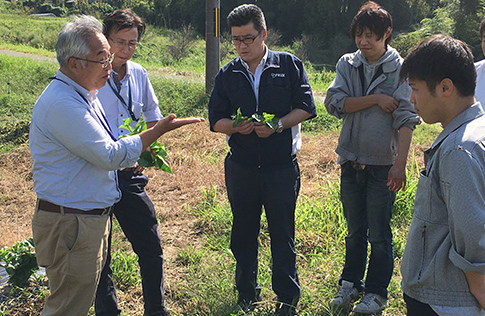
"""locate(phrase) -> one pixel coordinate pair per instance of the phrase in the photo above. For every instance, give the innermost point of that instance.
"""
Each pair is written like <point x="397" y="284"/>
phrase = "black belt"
<point x="54" y="208"/>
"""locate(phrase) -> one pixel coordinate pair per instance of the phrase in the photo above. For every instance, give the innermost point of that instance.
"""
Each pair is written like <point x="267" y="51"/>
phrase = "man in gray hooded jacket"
<point x="373" y="146"/>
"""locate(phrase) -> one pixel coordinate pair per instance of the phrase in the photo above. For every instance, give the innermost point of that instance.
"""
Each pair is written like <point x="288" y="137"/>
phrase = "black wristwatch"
<point x="279" y="128"/>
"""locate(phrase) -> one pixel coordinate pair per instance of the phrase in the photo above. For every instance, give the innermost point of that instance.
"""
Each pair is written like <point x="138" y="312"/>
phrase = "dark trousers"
<point x="416" y="308"/>
<point x="248" y="190"/>
<point x="138" y="220"/>
<point x="367" y="205"/>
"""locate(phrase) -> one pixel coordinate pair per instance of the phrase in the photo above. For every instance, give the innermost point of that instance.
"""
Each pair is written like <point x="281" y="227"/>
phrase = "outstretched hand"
<point x="170" y="122"/>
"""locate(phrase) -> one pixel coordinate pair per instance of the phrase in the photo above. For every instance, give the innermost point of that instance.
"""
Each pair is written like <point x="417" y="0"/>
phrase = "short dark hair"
<point x="482" y="27"/>
<point x="439" y="57"/>
<point x="375" y="18"/>
<point x="245" y="14"/>
<point x="123" y="19"/>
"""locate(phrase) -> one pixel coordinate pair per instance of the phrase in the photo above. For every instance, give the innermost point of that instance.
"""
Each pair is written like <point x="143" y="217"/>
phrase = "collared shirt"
<point x="446" y="238"/>
<point x="256" y="77"/>
<point x="143" y="99"/>
<point x="72" y="151"/>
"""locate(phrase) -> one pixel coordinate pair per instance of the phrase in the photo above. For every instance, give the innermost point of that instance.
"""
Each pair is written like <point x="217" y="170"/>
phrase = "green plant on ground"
<point x="125" y="269"/>
<point x="19" y="261"/>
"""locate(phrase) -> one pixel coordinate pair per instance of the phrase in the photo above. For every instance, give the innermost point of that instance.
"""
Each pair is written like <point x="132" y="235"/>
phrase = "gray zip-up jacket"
<point x="446" y="238"/>
<point x="370" y="136"/>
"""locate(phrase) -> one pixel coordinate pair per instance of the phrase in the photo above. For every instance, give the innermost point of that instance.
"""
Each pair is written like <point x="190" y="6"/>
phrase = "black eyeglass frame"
<point x="246" y="40"/>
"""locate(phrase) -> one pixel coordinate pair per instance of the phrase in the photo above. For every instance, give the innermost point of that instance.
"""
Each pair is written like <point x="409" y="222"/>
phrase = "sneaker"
<point x="346" y="295"/>
<point x="371" y="303"/>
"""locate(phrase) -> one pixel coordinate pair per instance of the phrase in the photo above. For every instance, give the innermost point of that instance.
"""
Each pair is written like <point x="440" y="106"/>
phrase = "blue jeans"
<point x="136" y="215"/>
<point x="367" y="205"/>
<point x="248" y="190"/>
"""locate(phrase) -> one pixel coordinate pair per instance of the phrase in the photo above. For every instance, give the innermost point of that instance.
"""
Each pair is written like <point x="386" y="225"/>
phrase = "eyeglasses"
<point x="246" y="40"/>
<point x="104" y="63"/>
<point x="123" y="43"/>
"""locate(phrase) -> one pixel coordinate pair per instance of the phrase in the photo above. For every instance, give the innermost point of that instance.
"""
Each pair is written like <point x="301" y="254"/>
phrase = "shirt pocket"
<point x="428" y="205"/>
<point x="277" y="94"/>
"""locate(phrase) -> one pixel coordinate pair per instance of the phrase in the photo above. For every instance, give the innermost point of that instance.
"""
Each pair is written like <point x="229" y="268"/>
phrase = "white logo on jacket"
<point x="278" y="75"/>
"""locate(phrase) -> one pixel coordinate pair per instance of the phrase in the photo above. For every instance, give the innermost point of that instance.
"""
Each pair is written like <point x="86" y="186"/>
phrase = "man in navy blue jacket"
<point x="261" y="168"/>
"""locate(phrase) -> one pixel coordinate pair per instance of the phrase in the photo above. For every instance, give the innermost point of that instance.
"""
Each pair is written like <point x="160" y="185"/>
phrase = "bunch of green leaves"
<point x="19" y="261"/>
<point x="238" y="118"/>
<point x="270" y="120"/>
<point x="156" y="156"/>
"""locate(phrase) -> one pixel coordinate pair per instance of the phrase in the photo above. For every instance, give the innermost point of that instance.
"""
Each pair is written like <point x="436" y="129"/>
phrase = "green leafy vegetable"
<point x="238" y="118"/>
<point x="270" y="120"/>
<point x="19" y="261"/>
<point x="147" y="158"/>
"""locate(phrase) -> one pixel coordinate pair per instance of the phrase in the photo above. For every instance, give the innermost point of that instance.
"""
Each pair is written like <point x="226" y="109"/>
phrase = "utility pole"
<point x="212" y="42"/>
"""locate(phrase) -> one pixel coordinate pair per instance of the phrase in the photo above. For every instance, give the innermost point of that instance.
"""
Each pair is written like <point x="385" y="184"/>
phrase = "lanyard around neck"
<point x="129" y="106"/>
<point x="103" y="120"/>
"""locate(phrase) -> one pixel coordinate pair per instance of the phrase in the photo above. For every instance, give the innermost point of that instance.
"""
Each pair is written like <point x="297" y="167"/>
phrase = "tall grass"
<point x="21" y="83"/>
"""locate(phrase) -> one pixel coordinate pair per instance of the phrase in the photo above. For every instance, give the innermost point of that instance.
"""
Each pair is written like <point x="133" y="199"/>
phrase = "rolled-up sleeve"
<point x="338" y="90"/>
<point x="405" y="115"/>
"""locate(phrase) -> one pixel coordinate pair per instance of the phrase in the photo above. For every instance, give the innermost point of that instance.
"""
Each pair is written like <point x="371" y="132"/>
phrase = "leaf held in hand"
<point x="147" y="158"/>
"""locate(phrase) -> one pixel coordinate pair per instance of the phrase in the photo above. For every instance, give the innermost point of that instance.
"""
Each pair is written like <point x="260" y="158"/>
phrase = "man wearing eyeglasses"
<point x="128" y="93"/>
<point x="74" y="157"/>
<point x="261" y="168"/>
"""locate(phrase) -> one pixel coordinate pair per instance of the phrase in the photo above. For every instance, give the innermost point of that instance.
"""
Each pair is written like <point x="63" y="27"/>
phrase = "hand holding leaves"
<point x="269" y="120"/>
<point x="239" y="118"/>
<point x="156" y="156"/>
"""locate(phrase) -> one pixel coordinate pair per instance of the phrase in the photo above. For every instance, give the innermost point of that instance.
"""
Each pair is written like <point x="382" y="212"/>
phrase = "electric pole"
<point x="212" y="42"/>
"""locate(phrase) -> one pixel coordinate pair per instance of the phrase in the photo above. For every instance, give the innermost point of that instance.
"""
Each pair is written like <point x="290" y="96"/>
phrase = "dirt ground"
<point x="196" y="157"/>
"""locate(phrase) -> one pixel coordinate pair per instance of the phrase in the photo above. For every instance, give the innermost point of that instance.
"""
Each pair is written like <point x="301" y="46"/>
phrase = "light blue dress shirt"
<point x="74" y="156"/>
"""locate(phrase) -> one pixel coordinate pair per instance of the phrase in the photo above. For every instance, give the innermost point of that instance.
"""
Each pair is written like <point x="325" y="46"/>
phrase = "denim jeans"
<point x="367" y="205"/>
<point x="136" y="215"/>
<point x="248" y="190"/>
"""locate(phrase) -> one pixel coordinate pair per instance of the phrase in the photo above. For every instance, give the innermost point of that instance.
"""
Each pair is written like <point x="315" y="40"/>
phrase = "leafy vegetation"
<point x="157" y="155"/>
<point x="19" y="262"/>
<point x="320" y="35"/>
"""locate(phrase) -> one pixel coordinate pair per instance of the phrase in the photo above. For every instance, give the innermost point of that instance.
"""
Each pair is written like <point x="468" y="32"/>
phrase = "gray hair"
<point x="75" y="36"/>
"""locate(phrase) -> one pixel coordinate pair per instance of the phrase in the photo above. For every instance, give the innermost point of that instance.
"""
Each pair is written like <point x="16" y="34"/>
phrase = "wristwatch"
<point x="279" y="127"/>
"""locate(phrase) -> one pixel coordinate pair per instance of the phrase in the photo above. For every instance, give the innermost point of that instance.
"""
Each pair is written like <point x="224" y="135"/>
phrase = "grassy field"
<point x="192" y="206"/>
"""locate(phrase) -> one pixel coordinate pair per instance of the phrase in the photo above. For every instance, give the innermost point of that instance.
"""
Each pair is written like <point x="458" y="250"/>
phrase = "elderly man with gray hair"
<point x="75" y="157"/>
